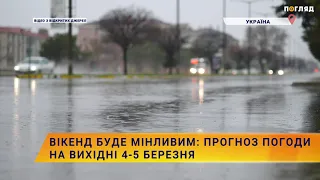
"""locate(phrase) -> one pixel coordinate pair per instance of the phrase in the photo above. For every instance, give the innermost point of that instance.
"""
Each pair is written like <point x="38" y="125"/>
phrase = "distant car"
<point x="199" y="66"/>
<point x="35" y="64"/>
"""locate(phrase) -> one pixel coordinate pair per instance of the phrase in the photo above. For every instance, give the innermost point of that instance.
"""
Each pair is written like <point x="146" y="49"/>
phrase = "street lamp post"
<point x="28" y="51"/>
<point x="178" y="34"/>
<point x="29" y="55"/>
<point x="70" y="69"/>
<point x="249" y="38"/>
<point x="224" y="44"/>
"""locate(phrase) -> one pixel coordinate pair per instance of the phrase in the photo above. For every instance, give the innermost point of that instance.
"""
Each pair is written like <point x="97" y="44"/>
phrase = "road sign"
<point x="216" y="61"/>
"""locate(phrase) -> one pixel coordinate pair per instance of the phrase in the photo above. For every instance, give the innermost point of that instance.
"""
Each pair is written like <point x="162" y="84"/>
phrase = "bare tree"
<point x="278" y="42"/>
<point x="269" y="41"/>
<point x="261" y="39"/>
<point x="126" y="27"/>
<point x="207" y="44"/>
<point x="237" y="53"/>
<point x="169" y="42"/>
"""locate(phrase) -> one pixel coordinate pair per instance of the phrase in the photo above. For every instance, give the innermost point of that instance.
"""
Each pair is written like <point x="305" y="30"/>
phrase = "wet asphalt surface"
<point x="29" y="109"/>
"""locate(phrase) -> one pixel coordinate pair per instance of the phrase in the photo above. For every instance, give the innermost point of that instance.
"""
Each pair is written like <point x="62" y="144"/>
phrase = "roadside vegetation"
<point x="138" y="42"/>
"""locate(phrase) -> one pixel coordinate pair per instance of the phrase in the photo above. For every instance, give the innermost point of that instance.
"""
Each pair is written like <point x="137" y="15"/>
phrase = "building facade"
<point x="87" y="35"/>
<point x="105" y="56"/>
<point x="14" y="43"/>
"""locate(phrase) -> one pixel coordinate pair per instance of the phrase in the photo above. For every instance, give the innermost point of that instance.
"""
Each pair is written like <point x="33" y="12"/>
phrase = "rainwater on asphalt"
<point x="29" y="109"/>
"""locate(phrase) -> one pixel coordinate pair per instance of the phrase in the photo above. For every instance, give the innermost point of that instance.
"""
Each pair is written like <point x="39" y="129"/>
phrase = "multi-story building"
<point x="88" y="34"/>
<point x="14" y="43"/>
<point x="104" y="56"/>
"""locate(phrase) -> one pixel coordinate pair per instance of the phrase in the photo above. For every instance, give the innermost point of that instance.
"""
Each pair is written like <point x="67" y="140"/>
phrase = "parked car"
<point x="35" y="64"/>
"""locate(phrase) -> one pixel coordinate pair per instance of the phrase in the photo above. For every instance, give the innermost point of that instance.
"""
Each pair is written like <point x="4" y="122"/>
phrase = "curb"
<point x="306" y="84"/>
<point x="109" y="76"/>
<point x="30" y="76"/>
<point x="80" y="76"/>
<point x="71" y="76"/>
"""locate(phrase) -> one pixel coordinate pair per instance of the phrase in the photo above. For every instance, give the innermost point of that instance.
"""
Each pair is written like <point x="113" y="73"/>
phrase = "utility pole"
<point x="28" y="51"/>
<point x="249" y="2"/>
<point x="224" y="44"/>
<point x="70" y="69"/>
<point x="178" y="35"/>
<point x="249" y="38"/>
<point x="29" y="54"/>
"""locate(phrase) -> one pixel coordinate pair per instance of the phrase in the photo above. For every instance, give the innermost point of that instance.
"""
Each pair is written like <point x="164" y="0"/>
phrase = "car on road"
<point x="199" y="66"/>
<point x="35" y="65"/>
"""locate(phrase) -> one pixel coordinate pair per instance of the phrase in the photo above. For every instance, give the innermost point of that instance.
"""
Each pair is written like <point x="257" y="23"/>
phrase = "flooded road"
<point x="29" y="109"/>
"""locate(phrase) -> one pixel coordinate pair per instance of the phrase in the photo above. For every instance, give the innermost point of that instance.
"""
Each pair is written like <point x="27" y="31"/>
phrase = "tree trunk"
<point x="125" y="61"/>
<point x="249" y="67"/>
<point x="178" y="70"/>
<point x="261" y="66"/>
<point x="238" y="64"/>
<point x="170" y="71"/>
<point x="212" y="71"/>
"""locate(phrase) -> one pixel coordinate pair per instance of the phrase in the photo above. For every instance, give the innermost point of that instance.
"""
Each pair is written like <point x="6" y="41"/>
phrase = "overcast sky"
<point x="199" y="13"/>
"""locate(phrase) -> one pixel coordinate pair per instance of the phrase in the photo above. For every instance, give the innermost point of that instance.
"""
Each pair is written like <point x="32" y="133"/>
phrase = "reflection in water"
<point x="134" y="114"/>
<point x="139" y="114"/>
<point x="249" y="111"/>
<point x="176" y="110"/>
<point x="62" y="111"/>
<point x="223" y="113"/>
<point x="248" y="90"/>
<point x="33" y="87"/>
<point x="312" y="171"/>
<point x="201" y="91"/>
<point x="66" y="171"/>
<point x="16" y="86"/>
<point x="197" y="90"/>
<point x="70" y="106"/>
<point x="176" y="119"/>
<point x="33" y="118"/>
<point x="199" y="130"/>
<point x="198" y="95"/>
<point x="313" y="113"/>
<point x="16" y="118"/>
<point x="194" y="89"/>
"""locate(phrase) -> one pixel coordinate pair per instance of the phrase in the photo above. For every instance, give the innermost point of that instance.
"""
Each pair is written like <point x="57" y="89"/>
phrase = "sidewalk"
<point x="314" y="82"/>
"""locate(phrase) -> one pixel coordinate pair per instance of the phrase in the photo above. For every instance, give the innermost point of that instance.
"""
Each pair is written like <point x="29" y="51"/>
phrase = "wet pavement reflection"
<point x="29" y="109"/>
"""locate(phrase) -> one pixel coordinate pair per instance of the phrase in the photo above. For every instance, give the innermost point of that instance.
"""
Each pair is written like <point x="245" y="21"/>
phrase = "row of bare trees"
<point x="129" y="27"/>
<point x="267" y="45"/>
<point x="132" y="26"/>
<point x="267" y="48"/>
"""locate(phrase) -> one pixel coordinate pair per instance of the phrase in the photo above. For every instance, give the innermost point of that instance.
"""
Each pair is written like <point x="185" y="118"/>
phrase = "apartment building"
<point x="14" y="42"/>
